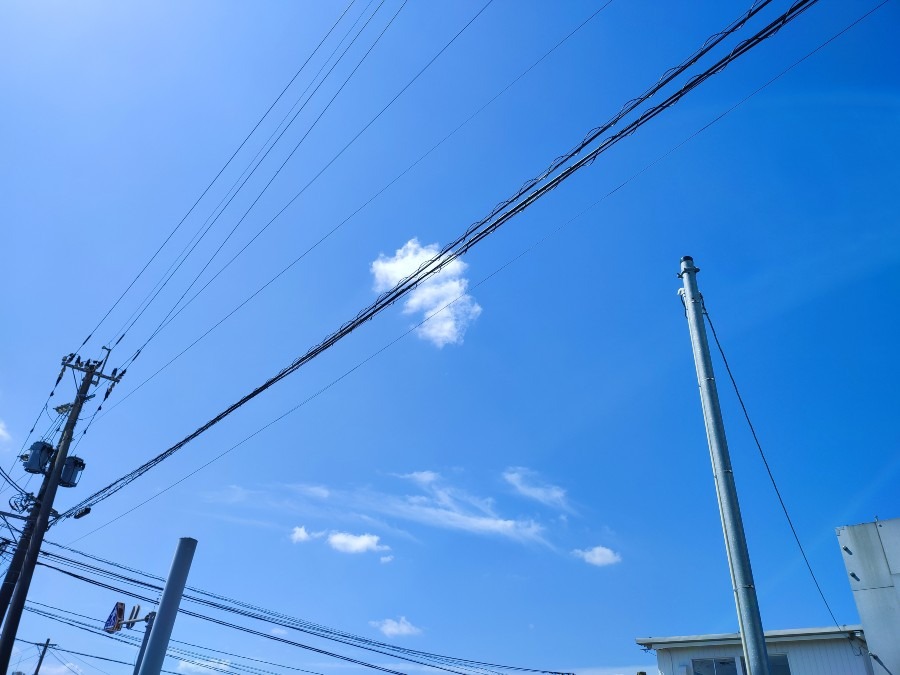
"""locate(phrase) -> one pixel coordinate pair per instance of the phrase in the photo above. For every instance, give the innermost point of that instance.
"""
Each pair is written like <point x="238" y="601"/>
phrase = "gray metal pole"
<point x="749" y="621"/>
<point x="11" y="625"/>
<point x="168" y="608"/>
<point x="140" y="657"/>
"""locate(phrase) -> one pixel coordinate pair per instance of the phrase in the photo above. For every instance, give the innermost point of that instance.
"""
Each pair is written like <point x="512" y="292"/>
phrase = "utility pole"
<point x="43" y="507"/>
<point x="15" y="565"/>
<point x="140" y="657"/>
<point x="752" y="638"/>
<point x="158" y="642"/>
<point x="37" y="668"/>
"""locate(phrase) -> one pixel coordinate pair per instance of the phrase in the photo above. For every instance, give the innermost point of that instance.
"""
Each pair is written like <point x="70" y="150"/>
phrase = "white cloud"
<point x="386" y="559"/>
<point x="231" y="494"/>
<point x="447" y="323"/>
<point x="312" y="490"/>
<point x="4" y="433"/>
<point x="393" y="628"/>
<point x="355" y="543"/>
<point x="59" y="669"/>
<point x="599" y="556"/>
<point x="203" y="666"/>
<point x="523" y="480"/>
<point x="452" y="508"/>
<point x="421" y="477"/>
<point x="280" y="632"/>
<point x="299" y="535"/>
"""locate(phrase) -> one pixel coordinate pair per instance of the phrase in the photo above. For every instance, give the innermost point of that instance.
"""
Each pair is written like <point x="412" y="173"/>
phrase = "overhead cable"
<point x="474" y="234"/>
<point x="215" y="178"/>
<point x="248" y="172"/>
<point x="247" y="610"/>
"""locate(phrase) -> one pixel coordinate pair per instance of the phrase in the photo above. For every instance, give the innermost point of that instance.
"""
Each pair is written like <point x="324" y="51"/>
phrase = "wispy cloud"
<point x="203" y="666"/>
<point x="355" y="543"/>
<point x="318" y="491"/>
<point x="59" y="669"/>
<point x="386" y="559"/>
<point x="598" y="555"/>
<point x="447" y="323"/>
<point x="4" y="433"/>
<point x="280" y="632"/>
<point x="230" y="494"/>
<point x="393" y="628"/>
<point x="526" y="483"/>
<point x="448" y="507"/>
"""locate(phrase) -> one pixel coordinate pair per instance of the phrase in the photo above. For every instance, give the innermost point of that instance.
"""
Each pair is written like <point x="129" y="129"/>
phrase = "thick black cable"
<point x="249" y="610"/>
<point x="455" y="249"/>
<point x="212" y="182"/>
<point x="233" y="191"/>
<point x="424" y="659"/>
<point x="765" y="461"/>
<point x="277" y="171"/>
<point x="321" y="171"/>
<point x="226" y="624"/>
<point x="365" y="204"/>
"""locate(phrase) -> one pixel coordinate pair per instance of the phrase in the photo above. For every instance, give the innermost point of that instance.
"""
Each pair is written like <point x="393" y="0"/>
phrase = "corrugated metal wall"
<point x="806" y="657"/>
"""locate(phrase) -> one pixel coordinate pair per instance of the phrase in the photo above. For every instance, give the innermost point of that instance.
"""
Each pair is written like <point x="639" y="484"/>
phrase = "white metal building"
<point x="804" y="651"/>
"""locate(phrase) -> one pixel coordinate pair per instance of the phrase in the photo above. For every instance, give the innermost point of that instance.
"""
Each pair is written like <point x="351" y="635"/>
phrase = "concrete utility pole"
<point x="37" y="668"/>
<point x="168" y="608"/>
<point x="749" y="621"/>
<point x="15" y="565"/>
<point x="43" y="507"/>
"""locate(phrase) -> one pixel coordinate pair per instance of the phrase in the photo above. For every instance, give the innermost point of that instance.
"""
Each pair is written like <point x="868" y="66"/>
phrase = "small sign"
<point x="133" y="617"/>
<point x="114" y="622"/>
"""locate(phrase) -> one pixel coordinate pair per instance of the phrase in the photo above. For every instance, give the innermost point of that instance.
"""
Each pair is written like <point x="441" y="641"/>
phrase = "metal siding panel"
<point x="864" y="556"/>
<point x="889" y="533"/>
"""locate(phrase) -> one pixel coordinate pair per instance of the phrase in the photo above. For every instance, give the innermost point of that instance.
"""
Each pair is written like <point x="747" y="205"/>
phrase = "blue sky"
<point x="523" y="478"/>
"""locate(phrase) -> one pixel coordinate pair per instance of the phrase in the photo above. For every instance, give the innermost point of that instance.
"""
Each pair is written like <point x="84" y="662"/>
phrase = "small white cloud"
<point x="231" y="494"/>
<point x="526" y="484"/>
<point x="203" y="666"/>
<point x="280" y="632"/>
<point x="299" y="535"/>
<point x="355" y="543"/>
<point x="59" y="669"/>
<point x="4" y="433"/>
<point x="442" y="299"/>
<point x="393" y="628"/>
<point x="599" y="556"/>
<point x="421" y="477"/>
<point x="318" y="491"/>
<point x="386" y="559"/>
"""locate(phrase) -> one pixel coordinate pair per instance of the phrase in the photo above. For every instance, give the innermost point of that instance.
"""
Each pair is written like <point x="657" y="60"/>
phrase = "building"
<point x="872" y="557"/>
<point x="804" y="651"/>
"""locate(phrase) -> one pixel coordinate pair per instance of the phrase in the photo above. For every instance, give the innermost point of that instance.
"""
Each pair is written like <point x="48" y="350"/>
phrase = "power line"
<point x="275" y="175"/>
<point x="365" y="204"/>
<point x="474" y="234"/>
<point x="765" y="461"/>
<point x="249" y="610"/>
<point x="248" y="172"/>
<point x="216" y="177"/>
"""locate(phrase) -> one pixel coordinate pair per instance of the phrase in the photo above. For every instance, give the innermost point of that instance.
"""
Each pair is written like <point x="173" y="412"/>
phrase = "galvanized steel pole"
<point x="749" y="621"/>
<point x="168" y="608"/>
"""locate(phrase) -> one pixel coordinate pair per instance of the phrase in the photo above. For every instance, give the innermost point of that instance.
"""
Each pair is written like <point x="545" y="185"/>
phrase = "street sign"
<point x="133" y="617"/>
<point x="114" y="622"/>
